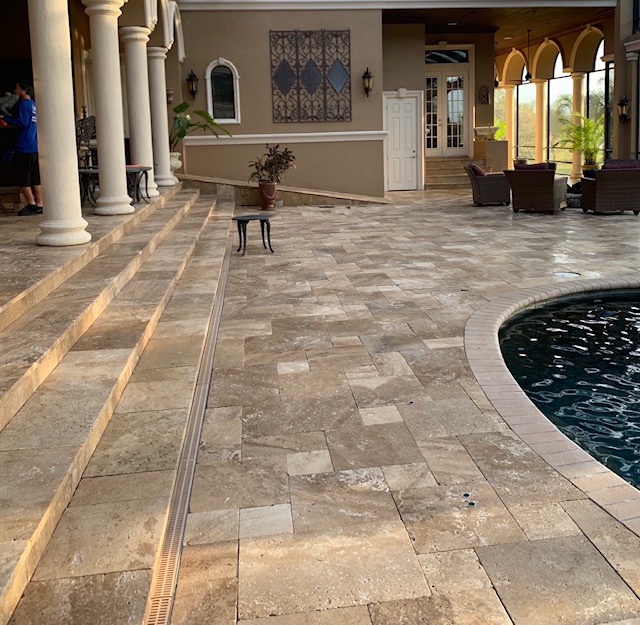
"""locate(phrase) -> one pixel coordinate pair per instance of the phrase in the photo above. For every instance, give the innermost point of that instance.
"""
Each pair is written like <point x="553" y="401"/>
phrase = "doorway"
<point x="404" y="157"/>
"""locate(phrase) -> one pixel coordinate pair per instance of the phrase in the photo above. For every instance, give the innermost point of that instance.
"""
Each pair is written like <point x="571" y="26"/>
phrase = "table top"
<point x="254" y="217"/>
<point x="130" y="169"/>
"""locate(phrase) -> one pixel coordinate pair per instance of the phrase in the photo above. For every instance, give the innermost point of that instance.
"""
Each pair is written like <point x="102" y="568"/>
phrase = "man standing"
<point x="25" y="158"/>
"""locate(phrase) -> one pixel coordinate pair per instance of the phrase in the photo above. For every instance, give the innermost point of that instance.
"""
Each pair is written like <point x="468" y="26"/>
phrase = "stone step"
<point x="45" y="449"/>
<point x="451" y="185"/>
<point x="450" y="164"/>
<point x="27" y="288"/>
<point x="34" y="344"/>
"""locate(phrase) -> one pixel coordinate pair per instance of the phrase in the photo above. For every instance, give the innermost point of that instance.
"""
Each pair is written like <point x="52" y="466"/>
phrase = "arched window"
<point x="223" y="92"/>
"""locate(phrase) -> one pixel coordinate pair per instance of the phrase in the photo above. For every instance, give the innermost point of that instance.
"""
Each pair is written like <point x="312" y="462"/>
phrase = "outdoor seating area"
<point x="612" y="190"/>
<point x="537" y="190"/>
<point x="488" y="188"/>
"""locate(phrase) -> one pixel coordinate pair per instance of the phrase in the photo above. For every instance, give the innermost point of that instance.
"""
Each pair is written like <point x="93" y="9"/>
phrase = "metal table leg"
<point x="262" y="226"/>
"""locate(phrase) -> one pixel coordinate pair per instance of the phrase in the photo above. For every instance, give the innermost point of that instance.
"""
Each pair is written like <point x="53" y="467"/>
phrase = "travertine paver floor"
<point x="352" y="471"/>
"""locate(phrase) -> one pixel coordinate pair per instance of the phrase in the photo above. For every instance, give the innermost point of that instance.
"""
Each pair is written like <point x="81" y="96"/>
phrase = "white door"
<point x="446" y="124"/>
<point x="402" y="161"/>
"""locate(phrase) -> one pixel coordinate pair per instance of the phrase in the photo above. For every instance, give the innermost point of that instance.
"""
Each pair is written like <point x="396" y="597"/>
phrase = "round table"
<point x="243" y="220"/>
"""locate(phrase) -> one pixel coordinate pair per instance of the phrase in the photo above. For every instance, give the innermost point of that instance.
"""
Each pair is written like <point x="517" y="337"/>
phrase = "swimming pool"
<point x="579" y="362"/>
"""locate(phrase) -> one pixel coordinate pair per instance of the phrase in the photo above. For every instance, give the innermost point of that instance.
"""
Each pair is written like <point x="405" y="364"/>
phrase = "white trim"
<point x="292" y="137"/>
<point x="323" y="5"/>
<point x="236" y="89"/>
<point x="175" y="30"/>
<point x="418" y="94"/>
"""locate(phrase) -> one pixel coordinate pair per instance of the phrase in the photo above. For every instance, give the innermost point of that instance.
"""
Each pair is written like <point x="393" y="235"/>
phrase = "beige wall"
<point x="242" y="37"/>
<point x="344" y="167"/>
<point x="403" y="56"/>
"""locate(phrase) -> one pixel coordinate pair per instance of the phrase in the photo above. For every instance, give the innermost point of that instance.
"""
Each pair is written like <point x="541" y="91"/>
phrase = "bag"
<point x="7" y="156"/>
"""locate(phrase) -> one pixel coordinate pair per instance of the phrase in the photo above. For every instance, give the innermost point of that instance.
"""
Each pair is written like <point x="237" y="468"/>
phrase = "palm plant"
<point x="585" y="135"/>
<point x="183" y="125"/>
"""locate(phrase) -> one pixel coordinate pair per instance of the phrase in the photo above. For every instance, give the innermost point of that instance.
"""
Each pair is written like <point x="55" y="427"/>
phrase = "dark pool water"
<point x="579" y="362"/>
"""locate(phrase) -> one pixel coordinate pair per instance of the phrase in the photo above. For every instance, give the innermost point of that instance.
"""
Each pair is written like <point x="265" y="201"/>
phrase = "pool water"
<point x="579" y="362"/>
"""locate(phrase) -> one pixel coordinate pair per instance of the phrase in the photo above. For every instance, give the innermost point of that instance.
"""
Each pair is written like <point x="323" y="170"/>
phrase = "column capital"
<point x="156" y="52"/>
<point x="578" y="74"/>
<point x="508" y="87"/>
<point x="103" y="7"/>
<point x="134" y="33"/>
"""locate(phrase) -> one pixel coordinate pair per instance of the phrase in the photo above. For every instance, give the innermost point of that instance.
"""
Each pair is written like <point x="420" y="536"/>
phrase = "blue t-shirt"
<point x="25" y="123"/>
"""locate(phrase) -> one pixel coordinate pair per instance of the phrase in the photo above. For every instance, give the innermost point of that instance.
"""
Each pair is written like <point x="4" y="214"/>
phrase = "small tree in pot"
<point x="268" y="170"/>
<point x="585" y="136"/>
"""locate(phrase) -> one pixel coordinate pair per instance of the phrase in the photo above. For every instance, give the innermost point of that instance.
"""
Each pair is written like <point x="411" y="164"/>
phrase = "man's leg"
<point x="28" y="195"/>
<point x="37" y="194"/>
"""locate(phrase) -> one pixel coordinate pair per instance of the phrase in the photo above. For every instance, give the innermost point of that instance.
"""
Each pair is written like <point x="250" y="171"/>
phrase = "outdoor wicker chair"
<point x="612" y="190"/>
<point x="488" y="188"/>
<point x="537" y="190"/>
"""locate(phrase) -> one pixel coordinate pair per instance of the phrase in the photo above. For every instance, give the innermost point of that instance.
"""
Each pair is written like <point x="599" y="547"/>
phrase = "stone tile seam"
<point x="482" y="329"/>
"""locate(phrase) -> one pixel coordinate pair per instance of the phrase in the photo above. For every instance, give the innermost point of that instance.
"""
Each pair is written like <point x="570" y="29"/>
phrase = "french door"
<point x="446" y="115"/>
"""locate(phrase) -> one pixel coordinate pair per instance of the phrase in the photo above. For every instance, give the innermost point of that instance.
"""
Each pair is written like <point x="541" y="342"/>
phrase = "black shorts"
<point x="26" y="170"/>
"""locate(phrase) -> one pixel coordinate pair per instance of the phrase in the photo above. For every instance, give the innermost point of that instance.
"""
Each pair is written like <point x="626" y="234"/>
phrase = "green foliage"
<point x="183" y="125"/>
<point x="585" y="136"/>
<point x="501" y="133"/>
<point x="272" y="165"/>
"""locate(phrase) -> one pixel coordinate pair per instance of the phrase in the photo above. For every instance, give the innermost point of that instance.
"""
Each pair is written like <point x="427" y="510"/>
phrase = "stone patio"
<point x="356" y="466"/>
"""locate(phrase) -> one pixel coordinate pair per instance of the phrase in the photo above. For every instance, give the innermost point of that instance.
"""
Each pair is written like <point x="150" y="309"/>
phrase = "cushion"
<point x="477" y="170"/>
<point x="532" y="166"/>
<point x="621" y="164"/>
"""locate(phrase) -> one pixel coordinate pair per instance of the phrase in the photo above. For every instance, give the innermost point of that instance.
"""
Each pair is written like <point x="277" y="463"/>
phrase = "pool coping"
<point x="608" y="490"/>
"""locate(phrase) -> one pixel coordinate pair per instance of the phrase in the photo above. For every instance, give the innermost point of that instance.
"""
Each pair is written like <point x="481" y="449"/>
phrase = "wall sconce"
<point x="367" y="82"/>
<point x="623" y="109"/>
<point x="169" y="96"/>
<point x="192" y="84"/>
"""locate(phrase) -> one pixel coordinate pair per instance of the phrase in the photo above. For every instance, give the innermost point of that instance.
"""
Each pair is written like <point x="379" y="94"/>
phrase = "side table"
<point x="243" y="220"/>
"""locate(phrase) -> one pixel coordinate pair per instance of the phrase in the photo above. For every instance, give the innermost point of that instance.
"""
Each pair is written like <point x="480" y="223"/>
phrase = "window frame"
<point x="236" y="89"/>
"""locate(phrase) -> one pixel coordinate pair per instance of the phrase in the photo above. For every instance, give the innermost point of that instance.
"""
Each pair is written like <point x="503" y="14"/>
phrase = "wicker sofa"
<point x="537" y="190"/>
<point x="612" y="191"/>
<point x="488" y="188"/>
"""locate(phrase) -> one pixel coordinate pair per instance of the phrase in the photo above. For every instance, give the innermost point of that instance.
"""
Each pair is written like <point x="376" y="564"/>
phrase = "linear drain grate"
<point x="165" y="575"/>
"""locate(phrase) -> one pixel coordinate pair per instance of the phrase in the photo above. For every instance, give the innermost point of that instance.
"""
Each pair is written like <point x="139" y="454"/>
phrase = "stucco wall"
<point x="403" y="56"/>
<point x="242" y="37"/>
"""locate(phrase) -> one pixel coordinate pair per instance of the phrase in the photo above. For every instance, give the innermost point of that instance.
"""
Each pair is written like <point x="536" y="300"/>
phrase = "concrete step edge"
<point x="12" y="587"/>
<point x="21" y="303"/>
<point x="41" y="366"/>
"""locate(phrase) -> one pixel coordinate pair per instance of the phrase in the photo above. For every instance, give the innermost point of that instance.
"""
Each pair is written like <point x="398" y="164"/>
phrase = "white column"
<point x="159" y="122"/>
<point x="135" y="40"/>
<point x="510" y="122"/>
<point x="579" y="106"/>
<point x="541" y="120"/>
<point x="103" y="22"/>
<point x="51" y="56"/>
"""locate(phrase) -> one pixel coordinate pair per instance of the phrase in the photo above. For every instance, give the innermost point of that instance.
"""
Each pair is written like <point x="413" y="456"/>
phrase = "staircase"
<point x="70" y="343"/>
<point x="448" y="173"/>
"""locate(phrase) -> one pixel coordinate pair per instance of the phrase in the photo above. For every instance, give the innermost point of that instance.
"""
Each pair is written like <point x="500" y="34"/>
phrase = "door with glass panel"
<point x="446" y="124"/>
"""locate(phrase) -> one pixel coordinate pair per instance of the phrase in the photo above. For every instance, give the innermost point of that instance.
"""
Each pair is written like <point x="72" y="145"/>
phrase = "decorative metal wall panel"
<point x="311" y="75"/>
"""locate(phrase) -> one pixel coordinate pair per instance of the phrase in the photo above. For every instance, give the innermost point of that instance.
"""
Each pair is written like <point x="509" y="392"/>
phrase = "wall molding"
<point x="323" y="5"/>
<point x="289" y="137"/>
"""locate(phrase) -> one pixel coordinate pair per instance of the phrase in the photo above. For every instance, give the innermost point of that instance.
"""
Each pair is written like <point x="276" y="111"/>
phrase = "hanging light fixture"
<point x="623" y="109"/>
<point x="527" y="76"/>
<point x="192" y="84"/>
<point x="367" y="82"/>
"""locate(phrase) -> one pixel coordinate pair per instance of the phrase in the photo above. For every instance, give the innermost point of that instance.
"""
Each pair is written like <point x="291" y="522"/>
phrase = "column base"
<point x="166" y="181"/>
<point x="114" y="206"/>
<point x="153" y="189"/>
<point x="62" y="233"/>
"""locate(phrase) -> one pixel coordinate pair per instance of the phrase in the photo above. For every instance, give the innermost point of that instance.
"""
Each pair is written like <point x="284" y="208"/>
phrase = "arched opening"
<point x="223" y="91"/>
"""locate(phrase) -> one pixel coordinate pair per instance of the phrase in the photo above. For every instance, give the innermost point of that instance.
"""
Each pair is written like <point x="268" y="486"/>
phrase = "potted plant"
<point x="585" y="136"/>
<point x="268" y="170"/>
<point x="183" y="125"/>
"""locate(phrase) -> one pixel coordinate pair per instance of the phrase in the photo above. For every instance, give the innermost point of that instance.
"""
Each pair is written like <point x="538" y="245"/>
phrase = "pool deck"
<point x="366" y="457"/>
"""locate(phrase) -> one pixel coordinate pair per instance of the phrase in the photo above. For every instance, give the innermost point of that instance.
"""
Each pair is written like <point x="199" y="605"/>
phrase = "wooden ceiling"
<point x="543" y="22"/>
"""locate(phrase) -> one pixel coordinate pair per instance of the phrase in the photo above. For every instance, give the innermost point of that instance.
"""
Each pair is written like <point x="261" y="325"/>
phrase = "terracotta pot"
<point x="268" y="195"/>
